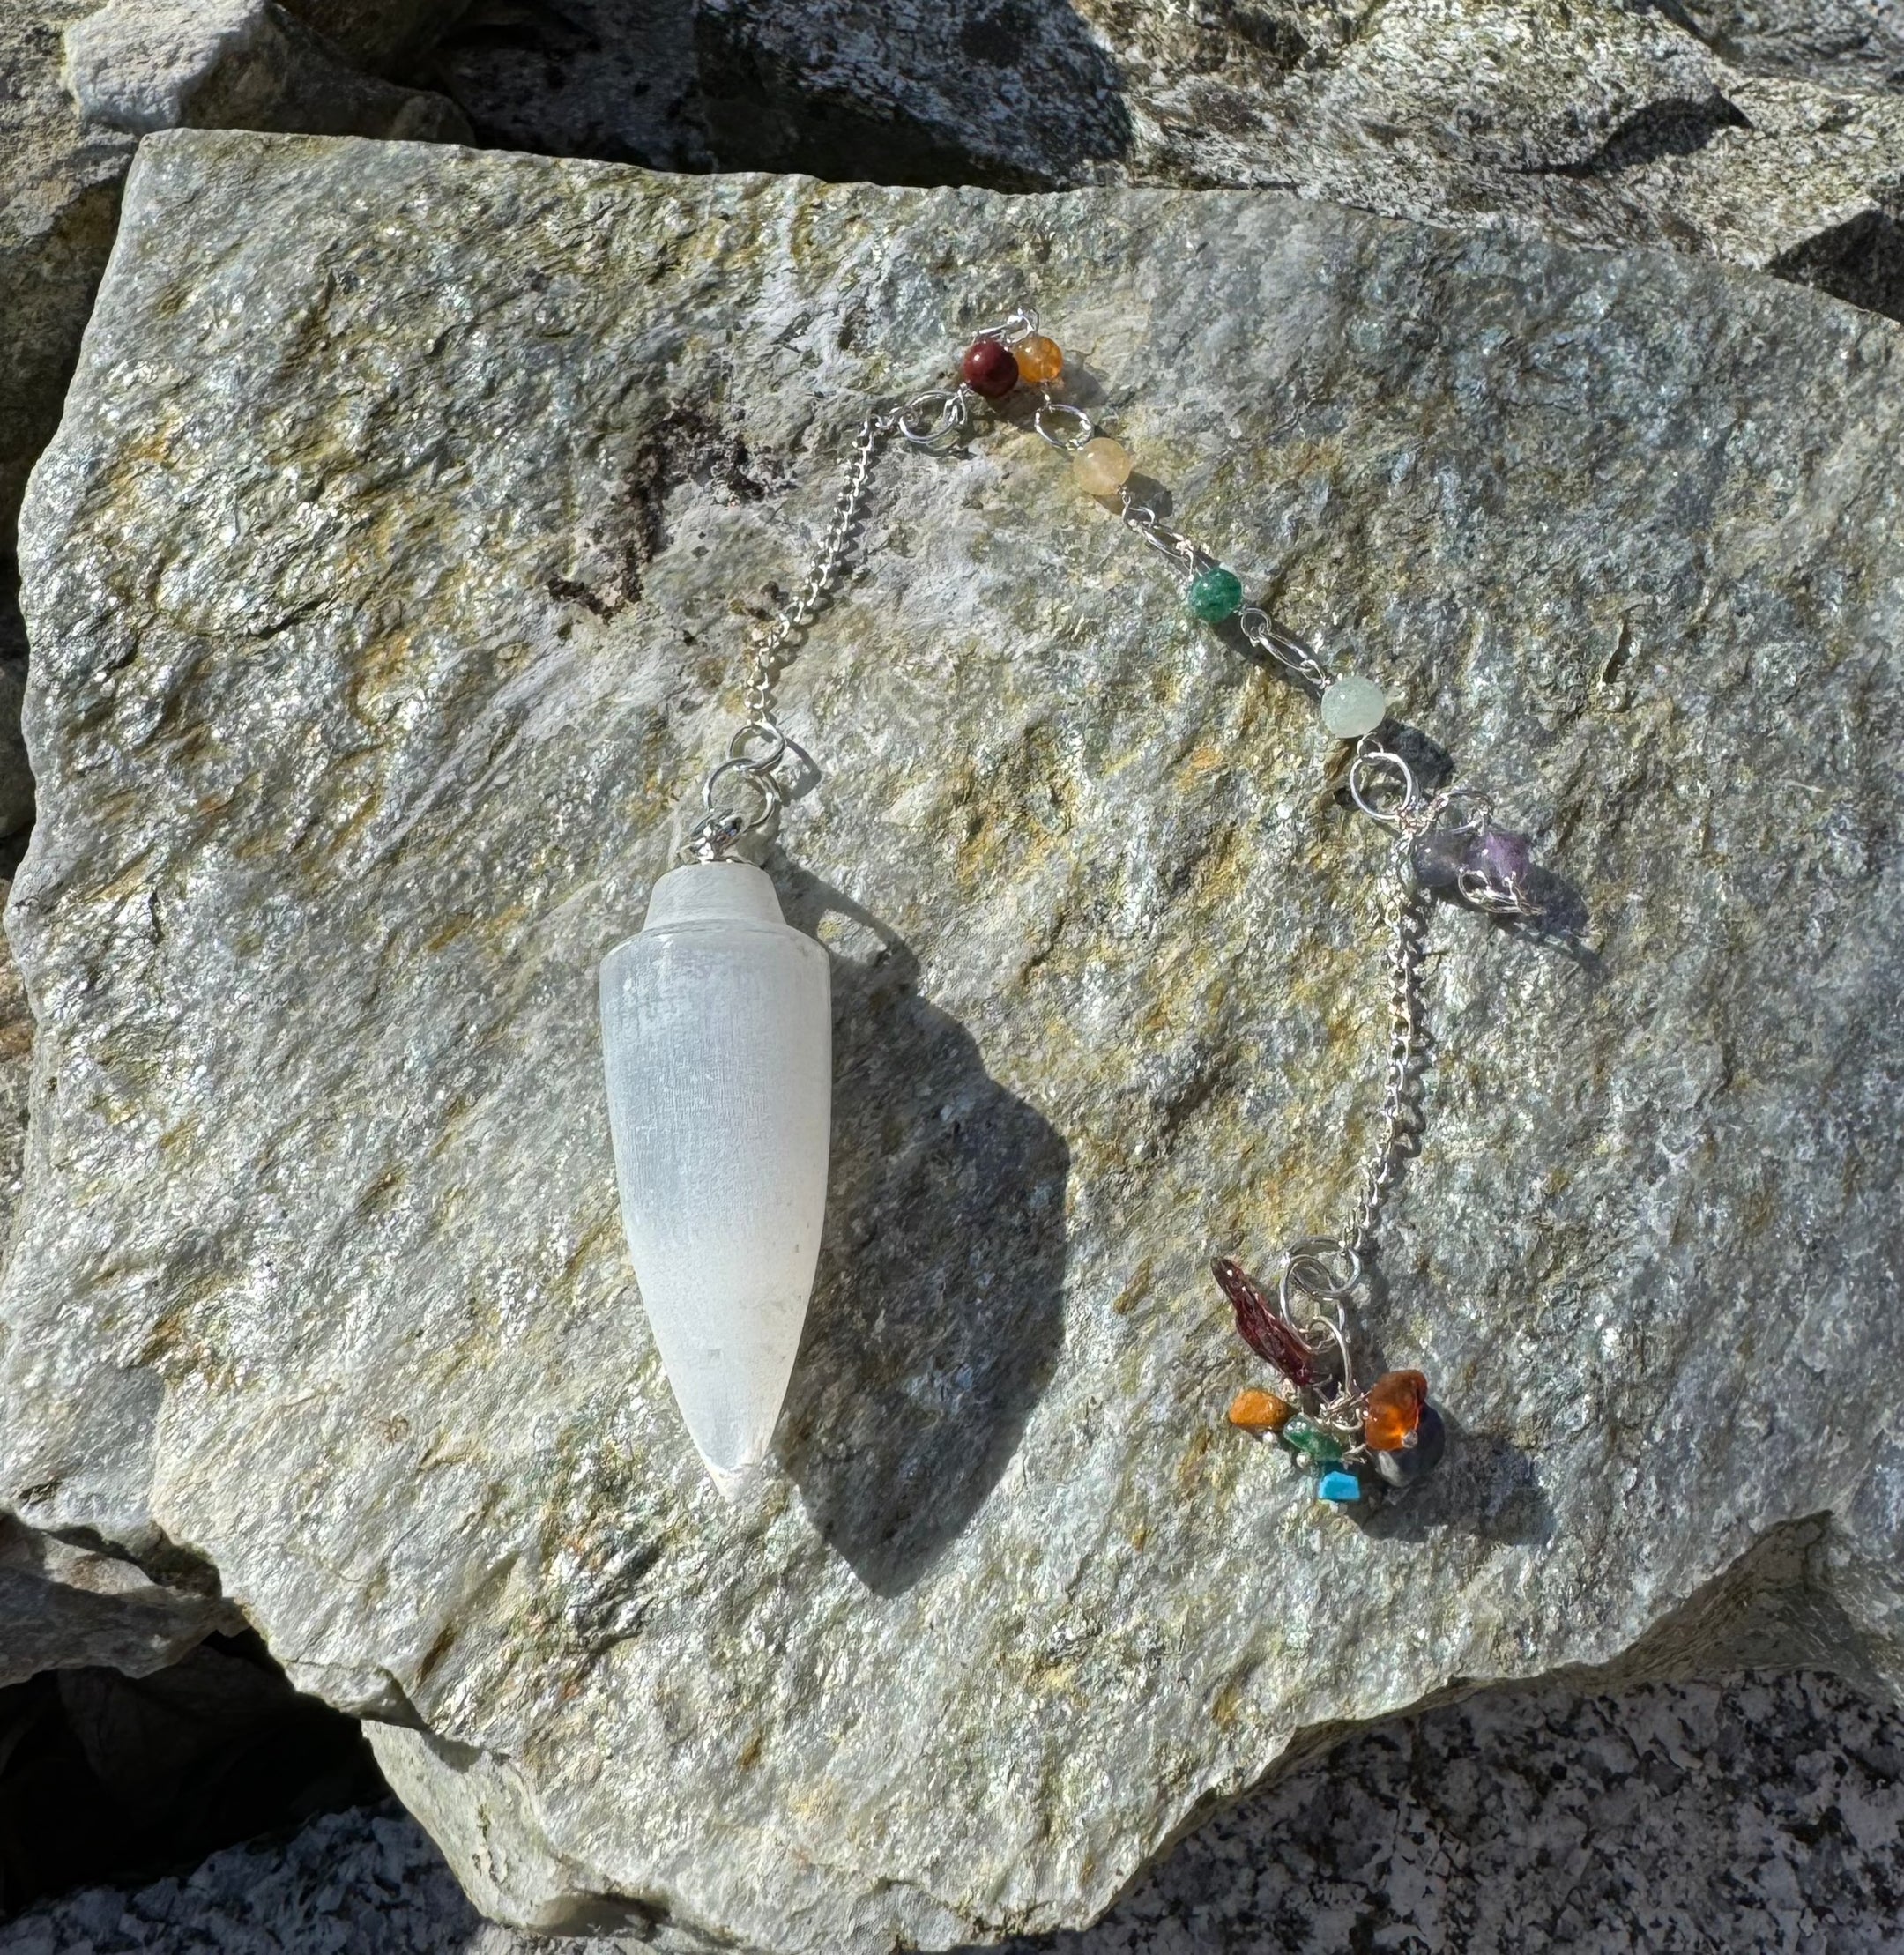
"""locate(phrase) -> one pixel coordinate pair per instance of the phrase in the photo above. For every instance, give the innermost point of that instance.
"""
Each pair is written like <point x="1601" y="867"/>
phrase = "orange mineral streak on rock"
<point x="1394" y="1408"/>
<point x="1256" y="1410"/>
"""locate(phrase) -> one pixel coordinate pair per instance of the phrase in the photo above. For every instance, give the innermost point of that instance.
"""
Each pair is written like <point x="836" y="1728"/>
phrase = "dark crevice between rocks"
<point x="109" y="1780"/>
<point x="1860" y="261"/>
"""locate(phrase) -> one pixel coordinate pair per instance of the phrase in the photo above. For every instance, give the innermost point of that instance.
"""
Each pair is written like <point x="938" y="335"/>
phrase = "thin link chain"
<point x="1405" y="919"/>
<point x="1318" y="1271"/>
<point x="764" y="662"/>
<point x="721" y="825"/>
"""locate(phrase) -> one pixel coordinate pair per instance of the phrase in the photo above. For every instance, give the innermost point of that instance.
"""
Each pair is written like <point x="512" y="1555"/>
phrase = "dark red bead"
<point x="989" y="369"/>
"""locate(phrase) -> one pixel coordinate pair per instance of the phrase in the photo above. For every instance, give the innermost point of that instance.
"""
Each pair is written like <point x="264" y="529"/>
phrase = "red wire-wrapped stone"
<point x="1261" y="1325"/>
<point x="989" y="369"/>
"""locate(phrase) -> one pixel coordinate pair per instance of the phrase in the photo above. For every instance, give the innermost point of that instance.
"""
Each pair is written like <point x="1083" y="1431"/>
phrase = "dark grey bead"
<point x="1409" y="1464"/>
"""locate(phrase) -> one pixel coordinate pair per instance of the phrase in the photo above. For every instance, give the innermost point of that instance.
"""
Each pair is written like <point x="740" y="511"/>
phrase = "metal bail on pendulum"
<point x="717" y="1033"/>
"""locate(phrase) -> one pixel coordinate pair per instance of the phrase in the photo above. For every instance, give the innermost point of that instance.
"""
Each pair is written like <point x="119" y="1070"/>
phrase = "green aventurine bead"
<point x="1306" y="1437"/>
<point x="1216" y="594"/>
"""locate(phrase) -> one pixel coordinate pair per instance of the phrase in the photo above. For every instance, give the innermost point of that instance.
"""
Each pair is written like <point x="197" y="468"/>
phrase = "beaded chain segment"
<point x="1357" y="1439"/>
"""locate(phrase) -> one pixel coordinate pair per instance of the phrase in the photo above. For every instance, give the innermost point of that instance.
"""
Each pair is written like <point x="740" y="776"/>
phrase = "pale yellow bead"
<point x="1102" y="466"/>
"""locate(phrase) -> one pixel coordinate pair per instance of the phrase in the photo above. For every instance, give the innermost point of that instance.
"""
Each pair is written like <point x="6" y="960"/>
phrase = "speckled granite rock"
<point x="459" y="516"/>
<point x="1856" y="42"/>
<point x="1596" y="123"/>
<point x="145" y="65"/>
<point x="1764" y="1815"/>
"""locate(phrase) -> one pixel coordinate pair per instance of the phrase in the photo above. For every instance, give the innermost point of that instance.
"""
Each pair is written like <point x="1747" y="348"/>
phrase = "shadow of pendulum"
<point x="937" y="1313"/>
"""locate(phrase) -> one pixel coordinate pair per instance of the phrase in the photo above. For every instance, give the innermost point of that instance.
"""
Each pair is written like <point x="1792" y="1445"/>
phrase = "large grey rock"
<point x="59" y="201"/>
<point x="66" y="1607"/>
<point x="1767" y="1813"/>
<point x="1595" y="123"/>
<point x="1858" y="41"/>
<point x="618" y="79"/>
<point x="477" y="467"/>
<point x="145" y="65"/>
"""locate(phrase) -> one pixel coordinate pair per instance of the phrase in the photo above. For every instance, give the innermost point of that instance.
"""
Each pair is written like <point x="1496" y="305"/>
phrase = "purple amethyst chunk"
<point x="1440" y="858"/>
<point x="1502" y="856"/>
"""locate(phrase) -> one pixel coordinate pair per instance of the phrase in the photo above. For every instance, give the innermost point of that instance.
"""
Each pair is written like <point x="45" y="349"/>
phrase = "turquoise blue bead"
<point x="1216" y="594"/>
<point x="1338" y="1486"/>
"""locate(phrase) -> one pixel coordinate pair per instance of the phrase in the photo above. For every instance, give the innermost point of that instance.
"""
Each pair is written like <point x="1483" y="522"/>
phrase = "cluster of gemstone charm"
<point x="1386" y="1436"/>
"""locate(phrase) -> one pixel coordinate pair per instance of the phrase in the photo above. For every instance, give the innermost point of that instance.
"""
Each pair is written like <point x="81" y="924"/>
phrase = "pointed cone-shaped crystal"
<point x="717" y="1033"/>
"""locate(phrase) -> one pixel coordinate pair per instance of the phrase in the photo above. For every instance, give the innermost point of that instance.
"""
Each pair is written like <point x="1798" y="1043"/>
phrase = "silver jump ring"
<point x="1457" y="799"/>
<point x="762" y="783"/>
<point x="1082" y="423"/>
<point x="946" y="407"/>
<point x="760" y="763"/>
<point x="1381" y="762"/>
<point x="1019" y="324"/>
<point x="1310" y="1254"/>
<point x="1161" y="536"/>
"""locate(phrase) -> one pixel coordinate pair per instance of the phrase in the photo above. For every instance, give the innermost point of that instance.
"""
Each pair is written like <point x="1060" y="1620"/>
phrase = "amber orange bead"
<point x="1256" y="1410"/>
<point x="989" y="369"/>
<point x="1394" y="1408"/>
<point x="1040" y="360"/>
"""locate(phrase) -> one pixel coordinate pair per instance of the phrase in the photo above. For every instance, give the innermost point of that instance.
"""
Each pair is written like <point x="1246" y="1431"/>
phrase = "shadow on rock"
<point x="1486" y="1486"/>
<point x="938" y="1313"/>
<point x="963" y="93"/>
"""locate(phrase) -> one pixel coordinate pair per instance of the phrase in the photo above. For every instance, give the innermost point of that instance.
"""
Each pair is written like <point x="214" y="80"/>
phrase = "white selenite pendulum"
<point x="717" y="1034"/>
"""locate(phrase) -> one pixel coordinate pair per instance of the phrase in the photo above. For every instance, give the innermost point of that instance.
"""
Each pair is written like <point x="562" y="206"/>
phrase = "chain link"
<point x="720" y="829"/>
<point x="1405" y="921"/>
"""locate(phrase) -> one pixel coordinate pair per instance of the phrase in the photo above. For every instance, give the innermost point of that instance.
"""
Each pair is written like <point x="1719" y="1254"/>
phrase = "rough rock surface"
<point x="64" y="1606"/>
<point x="145" y="64"/>
<point x="385" y="621"/>
<point x="1857" y="42"/>
<point x="1764" y="1815"/>
<point x="1600" y="124"/>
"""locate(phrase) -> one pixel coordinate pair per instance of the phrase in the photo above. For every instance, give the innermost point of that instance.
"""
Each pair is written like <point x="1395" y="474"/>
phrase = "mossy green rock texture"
<point x="389" y="580"/>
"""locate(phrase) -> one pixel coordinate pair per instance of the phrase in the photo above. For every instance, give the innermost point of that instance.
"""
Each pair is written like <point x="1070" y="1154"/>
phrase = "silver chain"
<point x="1405" y="920"/>
<point x="1318" y="1272"/>
<point x="723" y="824"/>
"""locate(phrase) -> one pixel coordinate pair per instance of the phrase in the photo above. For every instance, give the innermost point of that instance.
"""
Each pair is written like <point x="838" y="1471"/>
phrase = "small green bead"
<point x="1216" y="594"/>
<point x="1306" y="1437"/>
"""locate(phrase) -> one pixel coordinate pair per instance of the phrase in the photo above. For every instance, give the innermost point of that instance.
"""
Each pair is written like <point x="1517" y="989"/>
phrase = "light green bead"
<point x="1353" y="706"/>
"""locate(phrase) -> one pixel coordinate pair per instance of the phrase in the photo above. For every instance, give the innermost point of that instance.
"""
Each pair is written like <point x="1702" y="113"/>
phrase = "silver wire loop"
<point x="758" y="779"/>
<point x="1499" y="899"/>
<point x="932" y="418"/>
<point x="1163" y="537"/>
<point x="1082" y="428"/>
<point x="1306" y="1268"/>
<point x="1290" y="652"/>
<point x="1019" y="324"/>
<point x="1366" y="770"/>
<point x="760" y="763"/>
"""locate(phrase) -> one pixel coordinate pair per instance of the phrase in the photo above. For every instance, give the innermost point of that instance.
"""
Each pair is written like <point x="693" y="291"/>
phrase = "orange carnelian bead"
<point x="1394" y="1409"/>
<point x="1259" y="1411"/>
<point x="1039" y="360"/>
